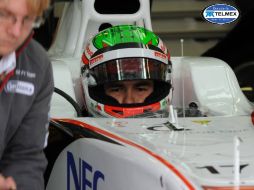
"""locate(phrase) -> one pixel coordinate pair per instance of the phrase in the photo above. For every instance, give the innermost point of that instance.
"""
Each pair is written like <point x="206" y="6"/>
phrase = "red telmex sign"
<point x="161" y="55"/>
<point x="95" y="59"/>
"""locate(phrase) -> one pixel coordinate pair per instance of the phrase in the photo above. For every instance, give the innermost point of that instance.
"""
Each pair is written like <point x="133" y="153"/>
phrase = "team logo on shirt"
<point x="20" y="87"/>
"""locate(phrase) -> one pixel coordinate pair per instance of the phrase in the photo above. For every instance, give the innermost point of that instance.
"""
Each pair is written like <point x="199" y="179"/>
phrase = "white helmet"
<point x="121" y="53"/>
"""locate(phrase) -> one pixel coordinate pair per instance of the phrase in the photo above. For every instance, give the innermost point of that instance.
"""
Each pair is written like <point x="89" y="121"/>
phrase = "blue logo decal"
<point x="79" y="174"/>
<point x="220" y="14"/>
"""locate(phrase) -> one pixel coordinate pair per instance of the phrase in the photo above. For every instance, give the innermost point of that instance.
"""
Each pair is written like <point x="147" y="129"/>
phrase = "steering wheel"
<point x="70" y="100"/>
<point x="77" y="108"/>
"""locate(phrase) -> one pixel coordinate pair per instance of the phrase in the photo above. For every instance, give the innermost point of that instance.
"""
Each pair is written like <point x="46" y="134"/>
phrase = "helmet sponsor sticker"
<point x="126" y="53"/>
<point x="160" y="55"/>
<point x="96" y="59"/>
<point x="220" y="14"/>
<point x="89" y="51"/>
<point x="20" y="87"/>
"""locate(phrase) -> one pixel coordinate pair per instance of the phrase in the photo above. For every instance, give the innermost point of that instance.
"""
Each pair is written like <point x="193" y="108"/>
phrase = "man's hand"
<point x="7" y="183"/>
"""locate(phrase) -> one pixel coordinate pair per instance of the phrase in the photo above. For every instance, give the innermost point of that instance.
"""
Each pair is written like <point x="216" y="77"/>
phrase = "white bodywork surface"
<point x="187" y="153"/>
<point x="150" y="154"/>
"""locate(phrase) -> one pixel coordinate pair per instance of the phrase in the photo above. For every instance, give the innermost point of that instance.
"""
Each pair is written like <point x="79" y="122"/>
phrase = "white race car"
<point x="205" y="143"/>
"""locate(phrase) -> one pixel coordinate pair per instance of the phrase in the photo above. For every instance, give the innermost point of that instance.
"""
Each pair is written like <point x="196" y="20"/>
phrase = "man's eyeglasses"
<point x="28" y="22"/>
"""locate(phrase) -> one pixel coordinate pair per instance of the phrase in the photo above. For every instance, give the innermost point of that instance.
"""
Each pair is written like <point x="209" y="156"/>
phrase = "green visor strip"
<point x="124" y="34"/>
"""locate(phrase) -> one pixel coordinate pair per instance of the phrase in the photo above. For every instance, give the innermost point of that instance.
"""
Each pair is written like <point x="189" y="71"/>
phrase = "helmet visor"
<point x="129" y="69"/>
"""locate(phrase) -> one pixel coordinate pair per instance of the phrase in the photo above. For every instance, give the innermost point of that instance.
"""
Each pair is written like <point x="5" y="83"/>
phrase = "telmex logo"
<point x="96" y="59"/>
<point x="220" y="13"/>
<point x="160" y="55"/>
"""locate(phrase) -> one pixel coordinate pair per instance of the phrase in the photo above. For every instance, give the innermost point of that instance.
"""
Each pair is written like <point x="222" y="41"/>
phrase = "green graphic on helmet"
<point x="124" y="34"/>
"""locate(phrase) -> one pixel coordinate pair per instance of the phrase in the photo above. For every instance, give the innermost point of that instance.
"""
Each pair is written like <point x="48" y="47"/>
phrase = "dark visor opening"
<point x="129" y="69"/>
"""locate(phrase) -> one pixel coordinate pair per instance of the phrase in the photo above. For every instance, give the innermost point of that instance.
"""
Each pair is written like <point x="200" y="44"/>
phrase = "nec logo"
<point x="84" y="177"/>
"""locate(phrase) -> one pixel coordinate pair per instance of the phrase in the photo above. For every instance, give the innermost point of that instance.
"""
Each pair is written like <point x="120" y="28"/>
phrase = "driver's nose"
<point x="129" y="97"/>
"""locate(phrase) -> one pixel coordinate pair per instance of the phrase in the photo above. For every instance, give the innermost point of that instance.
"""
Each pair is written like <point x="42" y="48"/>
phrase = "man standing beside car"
<point x="26" y="87"/>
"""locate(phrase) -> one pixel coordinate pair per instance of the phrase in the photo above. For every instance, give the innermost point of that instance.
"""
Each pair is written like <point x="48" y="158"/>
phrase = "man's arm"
<point x="24" y="158"/>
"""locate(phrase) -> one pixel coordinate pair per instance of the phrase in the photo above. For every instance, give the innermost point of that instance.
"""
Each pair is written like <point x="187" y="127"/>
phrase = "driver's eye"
<point x="114" y="89"/>
<point x="142" y="88"/>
